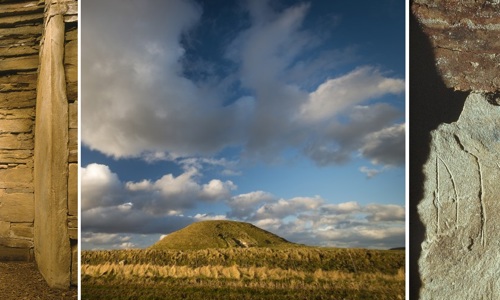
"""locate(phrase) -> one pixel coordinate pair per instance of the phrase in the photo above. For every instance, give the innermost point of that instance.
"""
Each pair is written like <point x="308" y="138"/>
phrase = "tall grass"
<point x="298" y="258"/>
<point x="252" y="273"/>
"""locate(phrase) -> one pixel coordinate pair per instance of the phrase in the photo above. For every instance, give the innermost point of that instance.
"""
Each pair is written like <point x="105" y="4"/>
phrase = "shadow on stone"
<point x="431" y="104"/>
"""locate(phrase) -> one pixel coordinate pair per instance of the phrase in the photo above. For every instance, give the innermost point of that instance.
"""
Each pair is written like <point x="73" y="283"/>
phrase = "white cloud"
<point x="243" y="206"/>
<point x="217" y="190"/>
<point x="179" y="117"/>
<point x="283" y="208"/>
<point x="335" y="95"/>
<point x="369" y="172"/>
<point x="380" y="212"/>
<point x="342" y="208"/>
<point x="386" y="146"/>
<point x="100" y="186"/>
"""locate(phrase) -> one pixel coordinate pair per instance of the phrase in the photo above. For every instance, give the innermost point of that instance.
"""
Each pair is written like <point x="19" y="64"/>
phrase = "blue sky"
<point x="285" y="114"/>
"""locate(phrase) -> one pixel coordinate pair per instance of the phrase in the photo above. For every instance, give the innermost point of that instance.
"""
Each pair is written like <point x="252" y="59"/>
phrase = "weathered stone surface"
<point x="22" y="31"/>
<point x="18" y="99"/>
<point x="22" y="230"/>
<point x="73" y="146"/>
<point x="16" y="141"/>
<point x="12" y="114"/>
<point x="19" y="177"/>
<point x="17" y="20"/>
<point x="17" y="82"/>
<point x="464" y="35"/>
<point x="39" y="70"/>
<point x="71" y="64"/>
<point x="23" y="8"/>
<point x="17" y="207"/>
<point x="15" y="254"/>
<point x="460" y="208"/>
<point x="73" y="190"/>
<point x="74" y="262"/>
<point x="15" y="125"/>
<point x="73" y="115"/>
<point x="16" y="242"/>
<point x="4" y="228"/>
<point x="52" y="243"/>
<point x="21" y="63"/>
<point x="16" y="156"/>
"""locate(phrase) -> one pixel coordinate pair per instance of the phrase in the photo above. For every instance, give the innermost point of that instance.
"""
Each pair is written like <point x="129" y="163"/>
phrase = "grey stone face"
<point x="460" y="209"/>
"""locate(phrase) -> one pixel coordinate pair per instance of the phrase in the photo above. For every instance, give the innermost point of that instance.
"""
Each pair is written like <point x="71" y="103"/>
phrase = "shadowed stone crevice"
<point x="431" y="104"/>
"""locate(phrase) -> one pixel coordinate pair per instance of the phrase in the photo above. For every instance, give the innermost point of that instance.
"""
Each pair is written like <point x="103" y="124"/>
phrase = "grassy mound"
<point x="220" y="234"/>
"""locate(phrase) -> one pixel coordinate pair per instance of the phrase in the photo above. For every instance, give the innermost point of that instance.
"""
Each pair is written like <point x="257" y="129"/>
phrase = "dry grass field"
<point x="250" y="273"/>
<point x="235" y="260"/>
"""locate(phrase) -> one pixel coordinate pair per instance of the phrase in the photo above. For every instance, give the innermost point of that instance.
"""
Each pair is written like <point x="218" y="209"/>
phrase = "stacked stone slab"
<point x="460" y="207"/>
<point x="20" y="31"/>
<point x="38" y="136"/>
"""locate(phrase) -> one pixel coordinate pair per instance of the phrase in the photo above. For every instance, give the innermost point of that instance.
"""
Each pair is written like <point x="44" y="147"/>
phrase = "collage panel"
<point x="243" y="150"/>
<point x="39" y="149"/>
<point x="454" y="149"/>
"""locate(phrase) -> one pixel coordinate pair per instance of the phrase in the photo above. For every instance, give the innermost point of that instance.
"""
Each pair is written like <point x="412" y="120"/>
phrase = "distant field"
<point x="244" y="273"/>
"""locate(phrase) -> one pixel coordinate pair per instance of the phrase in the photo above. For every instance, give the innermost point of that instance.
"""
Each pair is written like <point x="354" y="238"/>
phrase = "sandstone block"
<point x="74" y="262"/>
<point x="73" y="190"/>
<point x="16" y="142"/>
<point x="16" y="156"/>
<point x="73" y="115"/>
<point x="17" y="207"/>
<point x="21" y="82"/>
<point x="16" y="242"/>
<point x="460" y="208"/>
<point x="21" y="63"/>
<point x="4" y="228"/>
<point x="22" y="230"/>
<point x="15" y="125"/>
<point x="18" y="99"/>
<point x="16" y="178"/>
<point x="26" y="7"/>
<point x="15" y="254"/>
<point x="73" y="145"/>
<point x="12" y="114"/>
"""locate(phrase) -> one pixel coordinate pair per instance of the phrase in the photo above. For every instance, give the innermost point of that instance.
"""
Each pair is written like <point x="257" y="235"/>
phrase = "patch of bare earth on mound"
<point x="22" y="280"/>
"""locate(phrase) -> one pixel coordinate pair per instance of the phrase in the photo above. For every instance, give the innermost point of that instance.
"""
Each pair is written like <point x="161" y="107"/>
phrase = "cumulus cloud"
<point x="384" y="146"/>
<point x="243" y="205"/>
<point x="182" y="117"/>
<point x="100" y="186"/>
<point x="370" y="173"/>
<point x="335" y="95"/>
<point x="158" y="207"/>
<point x="109" y="205"/>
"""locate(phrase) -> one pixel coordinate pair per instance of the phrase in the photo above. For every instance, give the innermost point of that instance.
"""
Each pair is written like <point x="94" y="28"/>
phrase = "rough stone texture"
<point x="20" y="32"/>
<point x="460" y="257"/>
<point x="38" y="186"/>
<point x="464" y="35"/>
<point x="56" y="140"/>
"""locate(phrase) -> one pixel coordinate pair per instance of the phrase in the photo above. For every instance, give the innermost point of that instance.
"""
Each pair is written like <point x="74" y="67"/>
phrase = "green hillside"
<point x="220" y="234"/>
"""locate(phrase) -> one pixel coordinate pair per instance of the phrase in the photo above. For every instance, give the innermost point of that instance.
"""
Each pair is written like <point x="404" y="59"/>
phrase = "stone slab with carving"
<point x="460" y="256"/>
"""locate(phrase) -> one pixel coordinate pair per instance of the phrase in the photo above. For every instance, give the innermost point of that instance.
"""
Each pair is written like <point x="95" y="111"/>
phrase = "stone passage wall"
<point x="39" y="136"/>
<point x="56" y="139"/>
<point x="20" y="33"/>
